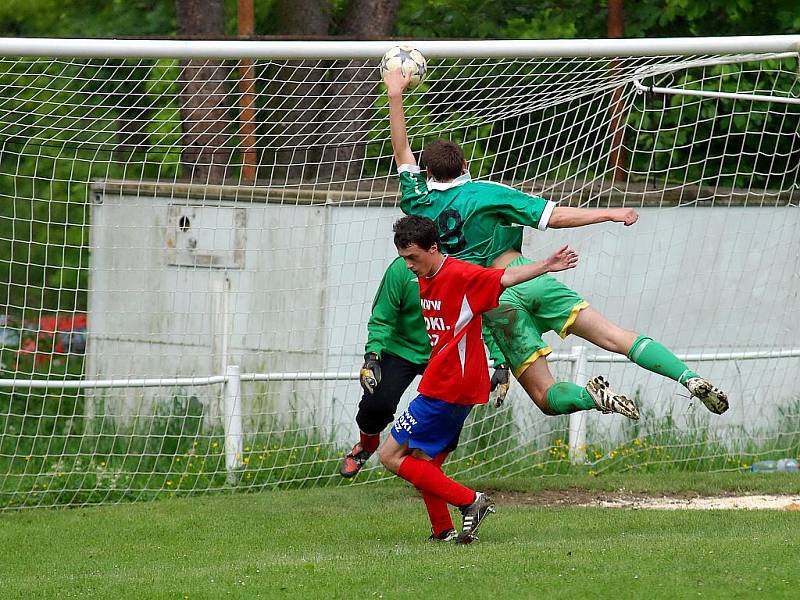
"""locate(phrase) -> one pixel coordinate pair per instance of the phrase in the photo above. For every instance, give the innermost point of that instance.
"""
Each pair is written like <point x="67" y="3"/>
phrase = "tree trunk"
<point x="352" y="95"/>
<point x="206" y="145"/>
<point x="295" y="102"/>
<point x="371" y="19"/>
<point x="303" y="17"/>
<point x="318" y="131"/>
<point x="245" y="16"/>
<point x="616" y="29"/>
<point x="133" y="106"/>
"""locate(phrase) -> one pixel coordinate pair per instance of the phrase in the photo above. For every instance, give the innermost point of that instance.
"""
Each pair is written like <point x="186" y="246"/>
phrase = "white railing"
<point x="233" y="378"/>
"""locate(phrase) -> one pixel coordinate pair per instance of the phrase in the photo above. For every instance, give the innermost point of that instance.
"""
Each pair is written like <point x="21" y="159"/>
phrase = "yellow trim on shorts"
<point x="571" y="318"/>
<point x="531" y="359"/>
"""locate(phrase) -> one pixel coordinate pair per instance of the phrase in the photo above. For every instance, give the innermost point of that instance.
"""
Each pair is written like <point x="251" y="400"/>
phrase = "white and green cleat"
<point x="608" y="401"/>
<point x="712" y="397"/>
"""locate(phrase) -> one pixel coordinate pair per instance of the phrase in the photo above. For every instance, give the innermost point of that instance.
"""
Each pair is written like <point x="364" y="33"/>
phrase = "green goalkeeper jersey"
<point x="396" y="325"/>
<point x="477" y="220"/>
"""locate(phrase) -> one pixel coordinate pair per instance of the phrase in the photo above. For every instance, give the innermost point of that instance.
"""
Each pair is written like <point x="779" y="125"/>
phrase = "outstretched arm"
<point x="396" y="83"/>
<point x="563" y="259"/>
<point x="566" y="216"/>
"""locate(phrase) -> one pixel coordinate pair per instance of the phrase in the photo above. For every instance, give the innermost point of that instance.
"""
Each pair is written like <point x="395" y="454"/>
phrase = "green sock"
<point x="566" y="397"/>
<point x="651" y="355"/>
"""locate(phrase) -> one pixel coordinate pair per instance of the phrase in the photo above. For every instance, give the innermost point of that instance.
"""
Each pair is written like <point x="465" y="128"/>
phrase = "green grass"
<point x="368" y="542"/>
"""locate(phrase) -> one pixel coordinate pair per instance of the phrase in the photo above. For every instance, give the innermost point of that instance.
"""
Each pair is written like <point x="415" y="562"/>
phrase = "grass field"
<point x="369" y="542"/>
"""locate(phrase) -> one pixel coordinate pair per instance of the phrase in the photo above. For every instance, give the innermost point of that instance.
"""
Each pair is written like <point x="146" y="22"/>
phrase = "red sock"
<point x="429" y="478"/>
<point x="438" y="512"/>
<point x="370" y="441"/>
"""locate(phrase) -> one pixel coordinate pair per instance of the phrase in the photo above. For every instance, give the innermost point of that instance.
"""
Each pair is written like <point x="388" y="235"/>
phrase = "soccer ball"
<point x="409" y="59"/>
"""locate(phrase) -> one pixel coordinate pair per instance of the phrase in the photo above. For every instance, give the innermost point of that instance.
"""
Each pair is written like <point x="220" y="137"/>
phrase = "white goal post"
<point x="373" y="50"/>
<point x="192" y="232"/>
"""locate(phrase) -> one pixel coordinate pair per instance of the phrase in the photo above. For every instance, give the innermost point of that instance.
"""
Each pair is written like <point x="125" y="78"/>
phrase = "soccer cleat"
<point x="353" y="461"/>
<point x="712" y="397"/>
<point x="448" y="535"/>
<point x="608" y="401"/>
<point x="473" y="515"/>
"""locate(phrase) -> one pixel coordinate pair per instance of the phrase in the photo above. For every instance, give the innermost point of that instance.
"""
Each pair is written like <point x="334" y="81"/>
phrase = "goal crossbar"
<point x="292" y="49"/>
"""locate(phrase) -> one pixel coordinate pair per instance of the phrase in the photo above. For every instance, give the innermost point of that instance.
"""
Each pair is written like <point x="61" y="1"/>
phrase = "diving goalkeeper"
<point x="480" y="222"/>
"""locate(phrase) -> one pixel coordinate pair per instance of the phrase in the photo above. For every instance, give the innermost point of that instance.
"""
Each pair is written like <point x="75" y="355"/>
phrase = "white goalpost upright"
<point x="219" y="216"/>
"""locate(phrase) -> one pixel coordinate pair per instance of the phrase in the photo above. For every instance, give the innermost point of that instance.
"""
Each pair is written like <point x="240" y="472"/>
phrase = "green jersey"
<point x="396" y="325"/>
<point x="477" y="220"/>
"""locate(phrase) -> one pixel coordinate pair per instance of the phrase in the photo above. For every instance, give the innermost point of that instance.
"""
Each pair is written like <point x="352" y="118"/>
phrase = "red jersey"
<point x="452" y="303"/>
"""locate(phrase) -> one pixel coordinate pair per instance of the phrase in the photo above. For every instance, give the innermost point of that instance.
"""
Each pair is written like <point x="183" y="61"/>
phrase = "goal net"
<point x="191" y="235"/>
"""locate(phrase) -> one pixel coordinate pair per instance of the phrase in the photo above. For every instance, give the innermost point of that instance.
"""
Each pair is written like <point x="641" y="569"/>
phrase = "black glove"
<point x="501" y="379"/>
<point x="370" y="375"/>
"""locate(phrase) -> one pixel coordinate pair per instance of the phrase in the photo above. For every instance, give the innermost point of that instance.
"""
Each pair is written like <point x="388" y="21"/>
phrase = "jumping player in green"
<point x="479" y="222"/>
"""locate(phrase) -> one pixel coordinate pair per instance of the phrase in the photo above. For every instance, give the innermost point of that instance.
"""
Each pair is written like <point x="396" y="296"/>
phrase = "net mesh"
<point x="163" y="220"/>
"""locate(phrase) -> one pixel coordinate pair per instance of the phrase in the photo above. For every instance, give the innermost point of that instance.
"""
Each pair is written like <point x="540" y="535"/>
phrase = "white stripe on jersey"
<point x="546" y="214"/>
<point x="462" y="353"/>
<point x="464" y="317"/>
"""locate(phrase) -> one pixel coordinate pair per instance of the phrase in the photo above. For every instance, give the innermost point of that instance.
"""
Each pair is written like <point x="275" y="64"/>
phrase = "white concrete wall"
<point x="153" y="319"/>
<point x="696" y="279"/>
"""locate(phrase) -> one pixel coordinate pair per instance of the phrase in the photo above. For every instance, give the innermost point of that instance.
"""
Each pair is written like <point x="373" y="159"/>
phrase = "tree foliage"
<point x="503" y="19"/>
<point x="87" y="18"/>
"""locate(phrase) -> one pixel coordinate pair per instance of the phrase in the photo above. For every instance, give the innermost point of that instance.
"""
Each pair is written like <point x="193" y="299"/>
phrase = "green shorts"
<point x="528" y="310"/>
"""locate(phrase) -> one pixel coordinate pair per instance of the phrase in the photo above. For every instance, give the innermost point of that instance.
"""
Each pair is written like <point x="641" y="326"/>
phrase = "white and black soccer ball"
<point x="409" y="59"/>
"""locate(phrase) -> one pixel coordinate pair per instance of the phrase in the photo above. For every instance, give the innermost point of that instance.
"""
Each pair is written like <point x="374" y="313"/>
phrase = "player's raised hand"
<point x="628" y="216"/>
<point x="396" y="82"/>
<point x="562" y="259"/>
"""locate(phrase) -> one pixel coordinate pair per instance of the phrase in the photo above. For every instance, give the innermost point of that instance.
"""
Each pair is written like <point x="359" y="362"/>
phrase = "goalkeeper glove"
<point x="500" y="380"/>
<point x="370" y="374"/>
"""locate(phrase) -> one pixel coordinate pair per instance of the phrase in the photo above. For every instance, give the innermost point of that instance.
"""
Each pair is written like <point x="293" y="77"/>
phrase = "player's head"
<point x="443" y="160"/>
<point x="417" y="242"/>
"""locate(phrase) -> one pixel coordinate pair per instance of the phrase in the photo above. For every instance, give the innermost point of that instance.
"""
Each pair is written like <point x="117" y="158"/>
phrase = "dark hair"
<point x="443" y="160"/>
<point x="415" y="230"/>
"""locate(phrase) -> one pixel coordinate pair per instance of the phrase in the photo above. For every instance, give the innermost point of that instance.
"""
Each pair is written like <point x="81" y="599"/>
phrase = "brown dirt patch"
<point x="625" y="499"/>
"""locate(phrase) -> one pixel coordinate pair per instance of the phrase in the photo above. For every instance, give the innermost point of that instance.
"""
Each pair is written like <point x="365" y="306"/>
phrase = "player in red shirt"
<point x="454" y="294"/>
